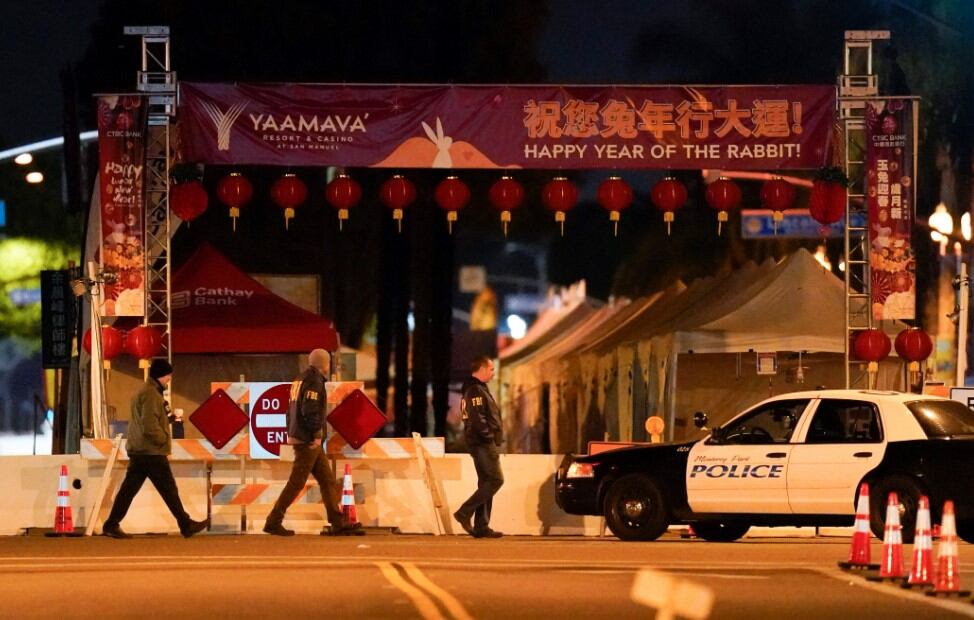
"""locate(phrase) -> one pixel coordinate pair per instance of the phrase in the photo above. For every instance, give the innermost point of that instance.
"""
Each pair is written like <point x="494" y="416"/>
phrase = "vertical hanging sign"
<point x="57" y="318"/>
<point x="890" y="193"/>
<point x="121" y="161"/>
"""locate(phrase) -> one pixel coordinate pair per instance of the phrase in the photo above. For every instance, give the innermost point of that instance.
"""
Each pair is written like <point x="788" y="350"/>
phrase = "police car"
<point x="793" y="460"/>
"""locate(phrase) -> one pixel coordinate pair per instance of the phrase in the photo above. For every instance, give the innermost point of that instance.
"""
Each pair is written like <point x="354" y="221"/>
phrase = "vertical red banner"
<point x="890" y="193"/>
<point x="121" y="158"/>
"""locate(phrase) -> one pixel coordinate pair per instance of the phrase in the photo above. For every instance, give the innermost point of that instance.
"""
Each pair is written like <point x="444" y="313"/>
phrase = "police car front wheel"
<point x="636" y="509"/>
<point x="715" y="531"/>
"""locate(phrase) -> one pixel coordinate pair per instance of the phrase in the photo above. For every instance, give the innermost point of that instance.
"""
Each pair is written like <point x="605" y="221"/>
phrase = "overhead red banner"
<point x="121" y="165"/>
<point x="562" y="127"/>
<point x="890" y="193"/>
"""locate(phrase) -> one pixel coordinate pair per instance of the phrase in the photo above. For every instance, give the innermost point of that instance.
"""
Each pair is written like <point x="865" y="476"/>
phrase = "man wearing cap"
<point x="148" y="446"/>
<point x="305" y="428"/>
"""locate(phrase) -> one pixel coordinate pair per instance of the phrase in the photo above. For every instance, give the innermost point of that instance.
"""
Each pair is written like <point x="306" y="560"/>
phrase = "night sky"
<point x="39" y="37"/>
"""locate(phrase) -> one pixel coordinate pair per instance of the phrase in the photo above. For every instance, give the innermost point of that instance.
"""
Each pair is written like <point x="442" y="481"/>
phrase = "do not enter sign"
<point x="268" y="419"/>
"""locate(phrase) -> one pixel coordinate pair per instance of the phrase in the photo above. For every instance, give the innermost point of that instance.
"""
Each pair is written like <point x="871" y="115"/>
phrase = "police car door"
<point x="841" y="443"/>
<point x="744" y="467"/>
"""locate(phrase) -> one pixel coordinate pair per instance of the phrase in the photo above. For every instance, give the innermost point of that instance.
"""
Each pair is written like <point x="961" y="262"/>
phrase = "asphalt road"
<point x="383" y="576"/>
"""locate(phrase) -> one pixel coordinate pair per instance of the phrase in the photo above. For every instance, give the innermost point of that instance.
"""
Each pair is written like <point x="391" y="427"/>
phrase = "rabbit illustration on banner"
<point x="436" y="150"/>
<point x="443" y="143"/>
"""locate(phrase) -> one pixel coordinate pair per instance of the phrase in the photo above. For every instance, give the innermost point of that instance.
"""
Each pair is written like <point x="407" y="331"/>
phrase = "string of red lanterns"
<point x="826" y="201"/>
<point x="143" y="342"/>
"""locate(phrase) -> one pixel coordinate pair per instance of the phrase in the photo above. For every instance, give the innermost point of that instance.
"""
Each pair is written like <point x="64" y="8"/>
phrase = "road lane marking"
<point x="424" y="604"/>
<point x="671" y="596"/>
<point x="960" y="606"/>
<point x="449" y="601"/>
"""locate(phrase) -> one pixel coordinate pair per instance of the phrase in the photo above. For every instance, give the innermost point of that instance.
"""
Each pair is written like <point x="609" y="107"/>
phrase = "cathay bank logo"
<point x="223" y="121"/>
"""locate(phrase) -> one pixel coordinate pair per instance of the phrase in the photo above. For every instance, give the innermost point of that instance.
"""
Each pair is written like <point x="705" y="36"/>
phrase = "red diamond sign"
<point x="356" y="419"/>
<point x="219" y="418"/>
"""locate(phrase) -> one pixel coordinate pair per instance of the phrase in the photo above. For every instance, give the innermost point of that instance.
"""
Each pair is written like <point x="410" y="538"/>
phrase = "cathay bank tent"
<point x="217" y="308"/>
<point x="226" y="325"/>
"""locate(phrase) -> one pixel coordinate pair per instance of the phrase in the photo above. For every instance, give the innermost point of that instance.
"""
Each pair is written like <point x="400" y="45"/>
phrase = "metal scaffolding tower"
<point x="158" y="82"/>
<point x="857" y="84"/>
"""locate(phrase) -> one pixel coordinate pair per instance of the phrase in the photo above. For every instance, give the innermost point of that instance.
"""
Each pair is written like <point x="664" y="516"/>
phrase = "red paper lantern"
<point x="451" y="195"/>
<point x="111" y="344"/>
<point x="397" y="193"/>
<point x="614" y="195"/>
<point x="723" y="195"/>
<point x="143" y="342"/>
<point x="778" y="195"/>
<point x="289" y="192"/>
<point x="559" y="195"/>
<point x="343" y="193"/>
<point x="234" y="190"/>
<point x="669" y="195"/>
<point x="914" y="346"/>
<point x="188" y="200"/>
<point x="871" y="345"/>
<point x="826" y="202"/>
<point x="505" y="195"/>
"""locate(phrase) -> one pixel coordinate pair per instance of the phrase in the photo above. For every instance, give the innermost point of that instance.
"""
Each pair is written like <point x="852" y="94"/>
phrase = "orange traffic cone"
<point x="892" y="566"/>
<point x="859" y="558"/>
<point x="947" y="582"/>
<point x="348" y="497"/>
<point x="921" y="573"/>
<point x="63" y="522"/>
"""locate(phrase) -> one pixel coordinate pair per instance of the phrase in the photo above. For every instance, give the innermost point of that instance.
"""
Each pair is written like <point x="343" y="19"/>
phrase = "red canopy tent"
<point x="217" y="308"/>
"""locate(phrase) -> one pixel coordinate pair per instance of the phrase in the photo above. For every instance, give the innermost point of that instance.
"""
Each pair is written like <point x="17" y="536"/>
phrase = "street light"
<point x="34" y="177"/>
<point x="24" y="159"/>
<point x="965" y="226"/>
<point x="941" y="226"/>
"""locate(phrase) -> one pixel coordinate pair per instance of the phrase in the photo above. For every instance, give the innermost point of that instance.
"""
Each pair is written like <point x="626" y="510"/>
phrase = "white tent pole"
<point x="99" y="426"/>
<point x="963" y="292"/>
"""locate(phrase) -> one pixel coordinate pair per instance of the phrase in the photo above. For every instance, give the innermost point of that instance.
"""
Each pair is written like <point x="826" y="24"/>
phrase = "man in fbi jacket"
<point x="482" y="431"/>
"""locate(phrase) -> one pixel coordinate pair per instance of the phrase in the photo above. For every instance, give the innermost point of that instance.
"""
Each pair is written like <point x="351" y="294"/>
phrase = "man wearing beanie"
<point x="305" y="428"/>
<point x="148" y="446"/>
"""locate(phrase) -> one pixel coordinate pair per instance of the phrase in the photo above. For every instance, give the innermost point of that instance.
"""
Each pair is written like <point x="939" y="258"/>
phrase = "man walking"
<point x="148" y="446"/>
<point x="482" y="431"/>
<point x="305" y="425"/>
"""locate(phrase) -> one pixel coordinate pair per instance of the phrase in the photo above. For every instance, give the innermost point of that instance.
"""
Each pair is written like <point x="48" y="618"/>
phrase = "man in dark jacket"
<point x="148" y="446"/>
<point x="305" y="428"/>
<point x="482" y="431"/>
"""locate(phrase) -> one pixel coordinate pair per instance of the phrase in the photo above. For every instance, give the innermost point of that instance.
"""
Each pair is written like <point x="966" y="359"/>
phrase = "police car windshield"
<point x="943" y="418"/>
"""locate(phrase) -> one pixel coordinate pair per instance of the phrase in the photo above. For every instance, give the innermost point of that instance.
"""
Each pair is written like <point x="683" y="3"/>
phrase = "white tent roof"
<point x="676" y="310"/>
<point x="605" y="333"/>
<point x="797" y="306"/>
<point x="552" y="322"/>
